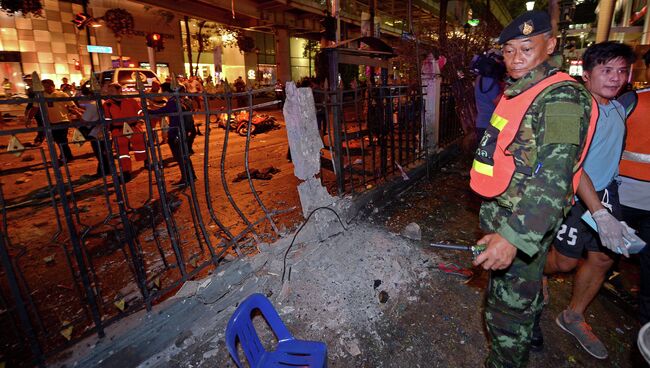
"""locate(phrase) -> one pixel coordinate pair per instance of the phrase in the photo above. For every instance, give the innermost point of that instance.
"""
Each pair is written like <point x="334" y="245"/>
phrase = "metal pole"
<point x="625" y="21"/>
<point x="84" y="4"/>
<point x="337" y="9"/>
<point x="152" y="59"/>
<point x="20" y="304"/>
<point x="60" y="186"/>
<point x="335" y="121"/>
<point x="645" y="36"/>
<point x="188" y="42"/>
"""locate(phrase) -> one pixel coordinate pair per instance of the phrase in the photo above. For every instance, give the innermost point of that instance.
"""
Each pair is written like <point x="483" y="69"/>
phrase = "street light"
<point x="530" y="5"/>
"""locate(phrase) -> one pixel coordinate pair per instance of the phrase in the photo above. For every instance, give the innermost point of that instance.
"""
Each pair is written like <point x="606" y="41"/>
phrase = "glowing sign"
<point x="100" y="49"/>
<point x="575" y="68"/>
<point x="251" y="74"/>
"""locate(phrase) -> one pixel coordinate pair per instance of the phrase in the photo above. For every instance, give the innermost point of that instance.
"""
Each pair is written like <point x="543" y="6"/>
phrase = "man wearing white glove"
<point x="606" y="69"/>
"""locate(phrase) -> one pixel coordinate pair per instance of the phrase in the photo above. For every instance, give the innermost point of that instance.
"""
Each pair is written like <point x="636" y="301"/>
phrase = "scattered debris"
<point x="383" y="296"/>
<point x="66" y="332"/>
<point x="353" y="348"/>
<point x="454" y="269"/>
<point x="264" y="174"/>
<point x="120" y="304"/>
<point x="412" y="231"/>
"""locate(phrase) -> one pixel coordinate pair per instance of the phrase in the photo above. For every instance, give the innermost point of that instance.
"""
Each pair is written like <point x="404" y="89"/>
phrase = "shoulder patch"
<point x="562" y="123"/>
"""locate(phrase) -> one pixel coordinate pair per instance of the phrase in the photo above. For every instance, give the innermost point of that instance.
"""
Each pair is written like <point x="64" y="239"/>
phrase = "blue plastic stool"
<point x="289" y="352"/>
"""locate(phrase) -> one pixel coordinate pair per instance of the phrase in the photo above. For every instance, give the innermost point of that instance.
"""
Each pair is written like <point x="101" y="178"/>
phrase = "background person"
<point x="634" y="171"/>
<point x="606" y="70"/>
<point x="122" y="108"/>
<point x="488" y="89"/>
<point x="33" y="113"/>
<point x="156" y="102"/>
<point x="93" y="132"/>
<point x="175" y="137"/>
<point x="57" y="113"/>
<point x="65" y="86"/>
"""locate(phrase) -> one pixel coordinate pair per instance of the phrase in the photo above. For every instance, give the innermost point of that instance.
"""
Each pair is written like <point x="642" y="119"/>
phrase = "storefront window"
<point x="11" y="74"/>
<point x="301" y="66"/>
<point x="162" y="69"/>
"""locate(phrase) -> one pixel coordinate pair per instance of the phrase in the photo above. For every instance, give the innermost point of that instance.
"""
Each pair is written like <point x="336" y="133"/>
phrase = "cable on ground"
<point x="284" y="261"/>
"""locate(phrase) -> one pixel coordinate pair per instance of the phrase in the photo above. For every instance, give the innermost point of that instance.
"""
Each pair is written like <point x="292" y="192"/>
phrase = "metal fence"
<point x="86" y="242"/>
<point x="370" y="134"/>
<point x="451" y="128"/>
<point x="376" y="133"/>
<point x="79" y="251"/>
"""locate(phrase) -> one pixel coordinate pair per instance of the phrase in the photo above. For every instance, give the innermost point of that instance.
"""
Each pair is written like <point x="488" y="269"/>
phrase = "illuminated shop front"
<point x="222" y="56"/>
<point x="49" y="45"/>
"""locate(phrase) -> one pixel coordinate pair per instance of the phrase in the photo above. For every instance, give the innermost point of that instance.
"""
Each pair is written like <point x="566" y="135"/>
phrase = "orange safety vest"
<point x="494" y="165"/>
<point x="635" y="161"/>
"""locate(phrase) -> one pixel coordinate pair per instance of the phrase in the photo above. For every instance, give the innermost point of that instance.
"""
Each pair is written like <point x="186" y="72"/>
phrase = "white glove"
<point x="611" y="231"/>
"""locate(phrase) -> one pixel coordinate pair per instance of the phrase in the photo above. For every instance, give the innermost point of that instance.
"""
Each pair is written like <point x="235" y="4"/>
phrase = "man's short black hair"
<point x="646" y="58"/>
<point x="604" y="52"/>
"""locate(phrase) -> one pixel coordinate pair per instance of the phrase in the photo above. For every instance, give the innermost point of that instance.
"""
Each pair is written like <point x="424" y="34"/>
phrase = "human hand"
<point x="499" y="252"/>
<point x="611" y="231"/>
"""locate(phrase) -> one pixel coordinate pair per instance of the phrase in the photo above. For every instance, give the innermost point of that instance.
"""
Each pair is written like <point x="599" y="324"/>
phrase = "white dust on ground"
<point x="333" y="295"/>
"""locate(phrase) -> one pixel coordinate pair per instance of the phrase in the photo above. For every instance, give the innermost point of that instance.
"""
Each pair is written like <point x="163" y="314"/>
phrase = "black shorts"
<point x="575" y="236"/>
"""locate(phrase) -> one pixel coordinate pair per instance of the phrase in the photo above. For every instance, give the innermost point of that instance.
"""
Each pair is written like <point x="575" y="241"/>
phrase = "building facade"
<point x="49" y="45"/>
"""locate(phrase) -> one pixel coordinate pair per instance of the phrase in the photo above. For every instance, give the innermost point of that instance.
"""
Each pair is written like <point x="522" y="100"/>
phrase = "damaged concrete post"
<point x="431" y="88"/>
<point x="305" y="144"/>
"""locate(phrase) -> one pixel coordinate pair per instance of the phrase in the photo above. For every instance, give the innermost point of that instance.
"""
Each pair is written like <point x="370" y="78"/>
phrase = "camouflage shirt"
<point x="549" y="141"/>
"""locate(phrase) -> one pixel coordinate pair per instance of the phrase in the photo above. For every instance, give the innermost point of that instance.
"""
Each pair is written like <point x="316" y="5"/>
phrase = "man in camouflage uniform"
<point x="522" y="221"/>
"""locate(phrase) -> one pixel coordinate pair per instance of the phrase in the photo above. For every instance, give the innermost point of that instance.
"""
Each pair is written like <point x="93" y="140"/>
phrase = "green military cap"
<point x="529" y="24"/>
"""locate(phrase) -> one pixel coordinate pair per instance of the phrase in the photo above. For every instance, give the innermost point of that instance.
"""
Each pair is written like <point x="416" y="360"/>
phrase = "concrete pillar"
<point x="306" y="143"/>
<point x="431" y="81"/>
<point x="604" y="20"/>
<point x="282" y="54"/>
<point x="625" y="21"/>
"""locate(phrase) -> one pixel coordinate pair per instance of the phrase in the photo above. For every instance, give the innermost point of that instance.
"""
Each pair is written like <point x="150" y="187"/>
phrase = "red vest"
<point x="128" y="108"/>
<point x="494" y="165"/>
<point x="635" y="161"/>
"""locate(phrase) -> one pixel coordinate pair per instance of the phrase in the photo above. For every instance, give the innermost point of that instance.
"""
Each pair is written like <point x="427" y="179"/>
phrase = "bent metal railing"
<point x="80" y="249"/>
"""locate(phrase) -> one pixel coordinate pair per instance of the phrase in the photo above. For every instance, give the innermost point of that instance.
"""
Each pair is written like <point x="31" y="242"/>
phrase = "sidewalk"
<point x="375" y="298"/>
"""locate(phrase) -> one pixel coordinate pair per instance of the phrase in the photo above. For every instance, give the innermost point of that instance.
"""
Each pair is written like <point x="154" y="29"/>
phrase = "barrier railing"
<point x="91" y="237"/>
<point x="370" y="134"/>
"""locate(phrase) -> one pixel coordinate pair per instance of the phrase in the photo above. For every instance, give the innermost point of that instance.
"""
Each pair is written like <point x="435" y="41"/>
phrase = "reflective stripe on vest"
<point x="635" y="161"/>
<point x="494" y="165"/>
<point x="636" y="157"/>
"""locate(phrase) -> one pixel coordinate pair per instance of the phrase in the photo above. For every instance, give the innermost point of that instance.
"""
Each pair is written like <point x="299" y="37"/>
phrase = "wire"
<point x="284" y="261"/>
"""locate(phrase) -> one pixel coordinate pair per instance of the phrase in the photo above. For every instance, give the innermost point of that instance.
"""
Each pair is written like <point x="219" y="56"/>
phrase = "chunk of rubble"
<point x="412" y="231"/>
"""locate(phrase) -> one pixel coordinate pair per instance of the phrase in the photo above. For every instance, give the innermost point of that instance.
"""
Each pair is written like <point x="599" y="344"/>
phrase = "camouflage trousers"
<point x="514" y="297"/>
